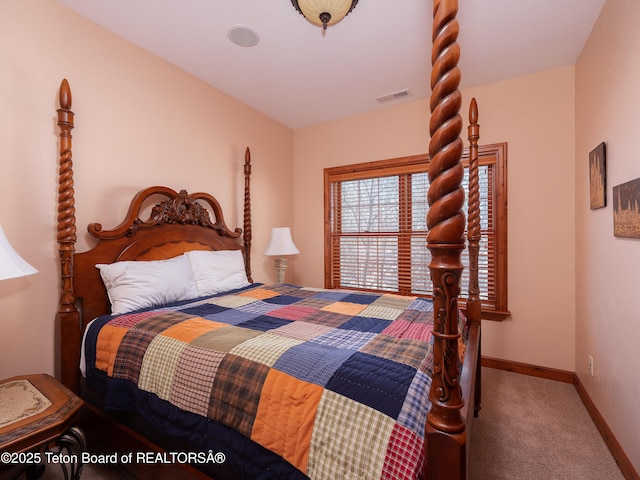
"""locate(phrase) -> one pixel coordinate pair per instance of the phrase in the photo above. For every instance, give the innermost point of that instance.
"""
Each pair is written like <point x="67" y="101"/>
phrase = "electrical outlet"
<point x="591" y="365"/>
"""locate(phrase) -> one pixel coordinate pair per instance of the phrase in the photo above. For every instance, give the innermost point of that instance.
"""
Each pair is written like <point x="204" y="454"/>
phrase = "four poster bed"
<point x="298" y="382"/>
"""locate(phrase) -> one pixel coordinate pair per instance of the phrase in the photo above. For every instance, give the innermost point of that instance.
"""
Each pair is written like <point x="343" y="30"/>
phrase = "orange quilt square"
<point x="107" y="345"/>
<point x="285" y="417"/>
<point x="191" y="329"/>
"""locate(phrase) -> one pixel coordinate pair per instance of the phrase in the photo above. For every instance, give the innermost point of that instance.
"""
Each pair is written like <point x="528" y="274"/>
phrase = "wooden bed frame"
<point x="180" y="222"/>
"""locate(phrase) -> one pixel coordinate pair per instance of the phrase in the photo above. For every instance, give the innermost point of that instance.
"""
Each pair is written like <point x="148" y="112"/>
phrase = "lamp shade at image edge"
<point x="12" y="265"/>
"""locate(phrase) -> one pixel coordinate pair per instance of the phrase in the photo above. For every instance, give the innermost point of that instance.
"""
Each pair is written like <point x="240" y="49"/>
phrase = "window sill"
<point x="493" y="315"/>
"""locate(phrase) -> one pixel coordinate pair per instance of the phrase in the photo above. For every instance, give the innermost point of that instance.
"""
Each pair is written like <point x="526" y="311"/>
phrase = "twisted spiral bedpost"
<point x="66" y="203"/>
<point x="445" y="220"/>
<point x="68" y="317"/>
<point x="247" y="213"/>
<point x="474" y="304"/>
<point x="473" y="215"/>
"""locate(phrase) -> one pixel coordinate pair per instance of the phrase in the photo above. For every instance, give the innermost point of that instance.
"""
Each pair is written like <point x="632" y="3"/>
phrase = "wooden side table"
<point x="37" y="414"/>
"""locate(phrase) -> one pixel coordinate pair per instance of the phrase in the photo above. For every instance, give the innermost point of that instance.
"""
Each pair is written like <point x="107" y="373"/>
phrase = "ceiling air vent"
<point x="393" y="96"/>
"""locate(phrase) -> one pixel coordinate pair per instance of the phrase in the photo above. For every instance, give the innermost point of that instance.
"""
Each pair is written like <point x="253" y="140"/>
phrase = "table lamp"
<point x="281" y="244"/>
<point x="12" y="265"/>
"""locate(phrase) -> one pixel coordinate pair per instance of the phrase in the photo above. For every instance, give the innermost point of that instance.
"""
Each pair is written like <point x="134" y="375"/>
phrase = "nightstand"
<point x="37" y="414"/>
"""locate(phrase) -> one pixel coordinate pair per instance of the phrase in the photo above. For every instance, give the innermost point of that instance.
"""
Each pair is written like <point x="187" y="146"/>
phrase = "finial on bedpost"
<point x="247" y="213"/>
<point x="473" y="221"/>
<point x="65" y="95"/>
<point x="446" y="222"/>
<point x="66" y="203"/>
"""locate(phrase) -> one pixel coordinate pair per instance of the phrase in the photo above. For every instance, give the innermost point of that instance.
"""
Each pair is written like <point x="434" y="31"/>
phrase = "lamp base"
<point x="281" y="266"/>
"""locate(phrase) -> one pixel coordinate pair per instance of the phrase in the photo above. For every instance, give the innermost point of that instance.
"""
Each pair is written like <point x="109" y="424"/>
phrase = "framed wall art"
<point x="626" y="209"/>
<point x="597" y="177"/>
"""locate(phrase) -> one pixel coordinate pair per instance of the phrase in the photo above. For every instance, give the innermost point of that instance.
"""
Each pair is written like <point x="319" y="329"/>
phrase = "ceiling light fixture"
<point x="324" y="12"/>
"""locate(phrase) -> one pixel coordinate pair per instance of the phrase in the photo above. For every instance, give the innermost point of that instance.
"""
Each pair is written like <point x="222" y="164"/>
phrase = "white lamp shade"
<point x="281" y="242"/>
<point x="12" y="265"/>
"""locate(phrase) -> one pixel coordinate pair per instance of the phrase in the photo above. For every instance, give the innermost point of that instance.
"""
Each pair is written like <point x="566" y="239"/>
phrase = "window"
<point x="376" y="232"/>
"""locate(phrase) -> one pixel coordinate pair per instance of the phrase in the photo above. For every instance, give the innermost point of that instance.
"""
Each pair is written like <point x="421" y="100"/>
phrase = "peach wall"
<point x="140" y="121"/>
<point x="535" y="116"/>
<point x="393" y="132"/>
<point x="607" y="278"/>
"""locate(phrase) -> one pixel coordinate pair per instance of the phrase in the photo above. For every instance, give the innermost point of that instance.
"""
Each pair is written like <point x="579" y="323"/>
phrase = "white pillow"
<point x="132" y="285"/>
<point x="215" y="272"/>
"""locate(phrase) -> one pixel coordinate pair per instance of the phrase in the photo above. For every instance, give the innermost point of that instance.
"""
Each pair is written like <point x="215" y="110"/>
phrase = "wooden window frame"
<point x="487" y="154"/>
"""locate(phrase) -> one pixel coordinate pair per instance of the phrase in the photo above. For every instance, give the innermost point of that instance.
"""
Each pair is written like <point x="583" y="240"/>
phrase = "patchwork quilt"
<point x="287" y="382"/>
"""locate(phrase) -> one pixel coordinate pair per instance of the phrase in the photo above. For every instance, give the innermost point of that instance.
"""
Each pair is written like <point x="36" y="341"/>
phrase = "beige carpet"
<point x="535" y="429"/>
<point x="528" y="429"/>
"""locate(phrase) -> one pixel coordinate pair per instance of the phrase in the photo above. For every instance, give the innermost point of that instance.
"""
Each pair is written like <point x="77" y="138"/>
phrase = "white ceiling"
<point x="302" y="76"/>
